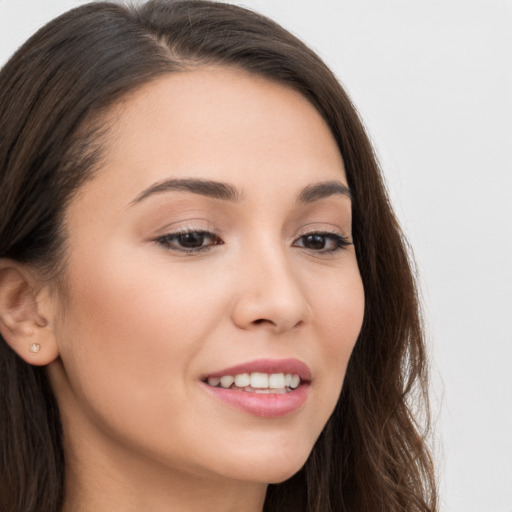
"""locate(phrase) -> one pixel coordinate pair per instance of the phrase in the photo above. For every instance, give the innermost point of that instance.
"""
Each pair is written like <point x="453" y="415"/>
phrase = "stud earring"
<point x="34" y="348"/>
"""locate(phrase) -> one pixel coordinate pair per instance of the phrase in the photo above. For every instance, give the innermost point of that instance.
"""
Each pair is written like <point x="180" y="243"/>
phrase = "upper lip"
<point x="293" y="366"/>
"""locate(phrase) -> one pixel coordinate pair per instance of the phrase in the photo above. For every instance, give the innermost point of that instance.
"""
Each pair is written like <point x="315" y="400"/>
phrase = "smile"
<point x="268" y="388"/>
<point x="257" y="382"/>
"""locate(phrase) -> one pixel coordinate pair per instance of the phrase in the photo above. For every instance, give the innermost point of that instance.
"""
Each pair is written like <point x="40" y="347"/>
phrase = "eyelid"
<point x="164" y="239"/>
<point x="324" y="227"/>
<point x="186" y="224"/>
<point x="341" y="242"/>
<point x="170" y="240"/>
<point x="334" y="232"/>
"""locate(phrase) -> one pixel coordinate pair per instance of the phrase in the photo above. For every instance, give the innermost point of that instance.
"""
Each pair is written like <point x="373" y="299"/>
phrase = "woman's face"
<point x="215" y="241"/>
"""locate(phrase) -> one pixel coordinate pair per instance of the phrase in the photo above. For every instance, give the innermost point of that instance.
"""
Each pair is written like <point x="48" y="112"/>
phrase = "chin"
<point x="271" y="466"/>
<point x="281" y="477"/>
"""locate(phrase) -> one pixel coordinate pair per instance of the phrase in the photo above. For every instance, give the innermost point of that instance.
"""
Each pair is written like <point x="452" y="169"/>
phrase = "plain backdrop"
<point x="433" y="82"/>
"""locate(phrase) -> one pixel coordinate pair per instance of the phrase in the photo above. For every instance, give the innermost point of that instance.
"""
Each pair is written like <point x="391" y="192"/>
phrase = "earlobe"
<point x="25" y="329"/>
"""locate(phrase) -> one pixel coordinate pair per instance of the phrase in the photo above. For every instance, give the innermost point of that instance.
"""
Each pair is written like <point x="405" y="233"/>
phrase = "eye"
<point x="322" y="242"/>
<point x="189" y="241"/>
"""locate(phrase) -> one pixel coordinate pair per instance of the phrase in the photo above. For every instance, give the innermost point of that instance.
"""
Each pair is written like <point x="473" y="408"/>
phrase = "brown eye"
<point x="322" y="242"/>
<point x="189" y="241"/>
<point x="316" y="242"/>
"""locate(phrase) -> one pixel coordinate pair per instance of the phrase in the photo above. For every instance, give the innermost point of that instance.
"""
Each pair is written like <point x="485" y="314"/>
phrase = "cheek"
<point x="339" y="317"/>
<point x="127" y="329"/>
<point x="126" y="300"/>
<point x="128" y="344"/>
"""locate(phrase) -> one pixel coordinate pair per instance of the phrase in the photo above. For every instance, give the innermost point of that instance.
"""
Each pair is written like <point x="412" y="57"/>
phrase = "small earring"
<point x="34" y="348"/>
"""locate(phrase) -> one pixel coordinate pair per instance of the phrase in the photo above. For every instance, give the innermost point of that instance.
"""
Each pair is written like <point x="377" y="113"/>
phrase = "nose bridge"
<point x="269" y="291"/>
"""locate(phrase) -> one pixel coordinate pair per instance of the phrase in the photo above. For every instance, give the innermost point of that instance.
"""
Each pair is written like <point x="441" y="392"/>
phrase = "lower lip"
<point x="264" y="405"/>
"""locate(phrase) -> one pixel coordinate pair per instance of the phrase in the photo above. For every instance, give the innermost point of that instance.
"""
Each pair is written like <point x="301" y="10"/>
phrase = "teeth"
<point x="258" y="382"/>
<point x="295" y="381"/>
<point x="243" y="380"/>
<point x="214" y="381"/>
<point x="226" y="381"/>
<point x="267" y="391"/>
<point x="276" y="381"/>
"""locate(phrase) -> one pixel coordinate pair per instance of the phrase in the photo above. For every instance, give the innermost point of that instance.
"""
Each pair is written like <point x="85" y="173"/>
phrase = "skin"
<point x="144" y="321"/>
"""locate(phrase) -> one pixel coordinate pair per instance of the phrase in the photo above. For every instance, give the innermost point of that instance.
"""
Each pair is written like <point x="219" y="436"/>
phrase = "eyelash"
<point x="171" y="241"/>
<point x="340" y="242"/>
<point x="167" y="240"/>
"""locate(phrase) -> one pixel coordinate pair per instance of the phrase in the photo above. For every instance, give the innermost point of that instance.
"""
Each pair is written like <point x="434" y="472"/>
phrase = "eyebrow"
<point x="227" y="192"/>
<point x="318" y="191"/>
<point x="214" y="189"/>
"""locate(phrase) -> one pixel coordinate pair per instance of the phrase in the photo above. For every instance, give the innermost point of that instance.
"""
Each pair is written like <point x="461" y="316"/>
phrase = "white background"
<point x="433" y="82"/>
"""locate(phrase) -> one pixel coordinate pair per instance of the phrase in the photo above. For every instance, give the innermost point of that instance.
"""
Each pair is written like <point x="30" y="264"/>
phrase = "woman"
<point x="205" y="300"/>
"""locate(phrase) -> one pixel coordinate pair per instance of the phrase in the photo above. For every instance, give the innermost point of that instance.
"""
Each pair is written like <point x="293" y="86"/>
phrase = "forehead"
<point x="217" y="123"/>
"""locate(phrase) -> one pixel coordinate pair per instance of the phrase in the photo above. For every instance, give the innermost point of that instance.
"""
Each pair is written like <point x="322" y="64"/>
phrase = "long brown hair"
<point x="372" y="454"/>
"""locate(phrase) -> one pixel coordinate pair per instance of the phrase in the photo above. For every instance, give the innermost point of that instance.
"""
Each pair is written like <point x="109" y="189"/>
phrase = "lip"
<point x="270" y="405"/>
<point x="290" y="365"/>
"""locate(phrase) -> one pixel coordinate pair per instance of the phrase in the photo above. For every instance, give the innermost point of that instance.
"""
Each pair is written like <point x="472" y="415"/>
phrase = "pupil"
<point x="315" y="242"/>
<point x="192" y="240"/>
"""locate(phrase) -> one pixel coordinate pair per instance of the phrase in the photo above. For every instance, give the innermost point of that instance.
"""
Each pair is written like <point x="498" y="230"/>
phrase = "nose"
<point x="269" y="294"/>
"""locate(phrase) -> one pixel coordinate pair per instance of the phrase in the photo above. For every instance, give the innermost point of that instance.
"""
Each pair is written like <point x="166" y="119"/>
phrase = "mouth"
<point x="257" y="382"/>
<point x="265" y="388"/>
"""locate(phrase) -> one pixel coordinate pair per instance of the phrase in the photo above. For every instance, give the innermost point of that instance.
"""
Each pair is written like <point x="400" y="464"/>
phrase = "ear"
<point x="24" y="308"/>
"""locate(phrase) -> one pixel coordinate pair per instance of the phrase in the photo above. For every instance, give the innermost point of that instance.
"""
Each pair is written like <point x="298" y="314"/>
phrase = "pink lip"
<point x="269" y="405"/>
<point x="267" y="366"/>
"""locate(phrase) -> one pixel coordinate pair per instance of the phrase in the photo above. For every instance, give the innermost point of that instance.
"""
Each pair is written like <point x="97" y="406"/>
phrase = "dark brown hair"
<point x="371" y="456"/>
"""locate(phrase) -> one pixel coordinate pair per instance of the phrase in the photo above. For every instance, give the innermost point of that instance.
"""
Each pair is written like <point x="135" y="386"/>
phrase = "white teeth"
<point x="267" y="391"/>
<point x="243" y="380"/>
<point x="214" y="381"/>
<point x="226" y="381"/>
<point x="276" y="381"/>
<point x="259" y="380"/>
<point x="295" y="381"/>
